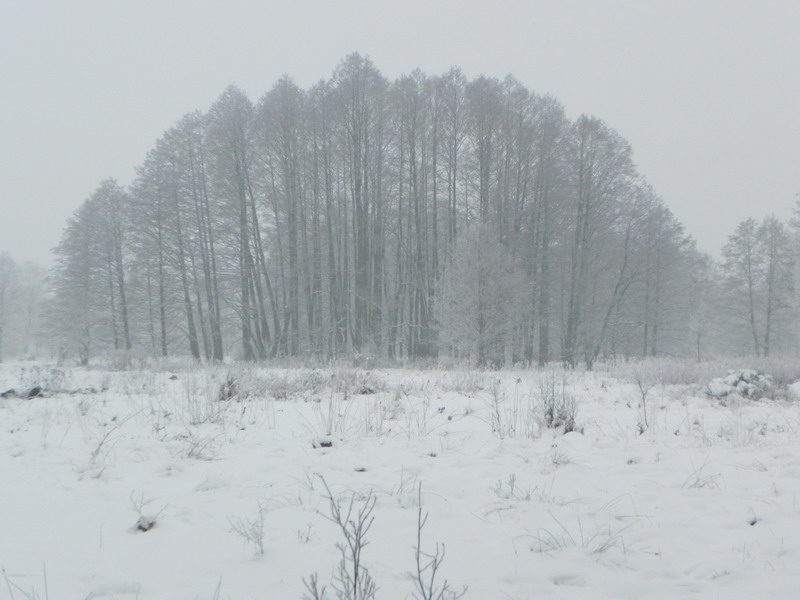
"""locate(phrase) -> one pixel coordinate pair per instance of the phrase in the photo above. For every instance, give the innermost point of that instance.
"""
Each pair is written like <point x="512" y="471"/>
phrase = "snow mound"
<point x="747" y="383"/>
<point x="794" y="390"/>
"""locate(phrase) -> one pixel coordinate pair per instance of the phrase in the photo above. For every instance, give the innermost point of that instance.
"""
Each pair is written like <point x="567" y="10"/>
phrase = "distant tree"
<point x="359" y="100"/>
<point x="451" y="94"/>
<point x="704" y="292"/>
<point x="89" y="309"/>
<point x="775" y="245"/>
<point x="601" y="172"/>
<point x="758" y="266"/>
<point x="482" y="290"/>
<point x="71" y="323"/>
<point x="280" y="143"/>
<point x="666" y="260"/>
<point x="231" y="131"/>
<point x="192" y="158"/>
<point x="30" y="299"/>
<point x="743" y="265"/>
<point x="8" y="276"/>
<point x="21" y="298"/>
<point x="549" y="127"/>
<point x="109" y="204"/>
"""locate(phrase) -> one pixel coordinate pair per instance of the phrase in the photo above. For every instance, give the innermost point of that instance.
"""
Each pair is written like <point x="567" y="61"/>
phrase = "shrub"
<point x="747" y="383"/>
<point x="251" y="529"/>
<point x="558" y="408"/>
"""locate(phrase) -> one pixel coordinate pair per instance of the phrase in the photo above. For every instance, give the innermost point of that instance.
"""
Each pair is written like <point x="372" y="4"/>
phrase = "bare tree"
<point x="743" y="268"/>
<point x="327" y="221"/>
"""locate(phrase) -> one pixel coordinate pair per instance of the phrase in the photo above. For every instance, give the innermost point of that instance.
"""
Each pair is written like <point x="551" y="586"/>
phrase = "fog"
<point x="706" y="93"/>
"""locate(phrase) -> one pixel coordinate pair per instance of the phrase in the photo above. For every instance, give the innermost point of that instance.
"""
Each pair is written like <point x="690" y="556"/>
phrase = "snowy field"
<point x="236" y="474"/>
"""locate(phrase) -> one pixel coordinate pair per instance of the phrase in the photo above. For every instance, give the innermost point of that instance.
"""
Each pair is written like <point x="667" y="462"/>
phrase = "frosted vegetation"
<point x="178" y="481"/>
<point x="424" y="338"/>
<point x="422" y="218"/>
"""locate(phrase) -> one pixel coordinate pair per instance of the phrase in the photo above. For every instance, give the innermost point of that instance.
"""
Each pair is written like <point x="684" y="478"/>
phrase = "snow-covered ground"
<point x="690" y="497"/>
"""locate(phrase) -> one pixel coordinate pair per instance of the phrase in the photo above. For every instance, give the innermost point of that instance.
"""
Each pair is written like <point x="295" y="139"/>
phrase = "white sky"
<point x="707" y="92"/>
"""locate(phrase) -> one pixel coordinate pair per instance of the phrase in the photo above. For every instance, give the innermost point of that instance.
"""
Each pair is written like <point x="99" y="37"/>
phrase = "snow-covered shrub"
<point x="309" y="381"/>
<point x="284" y="386"/>
<point x="747" y="383"/>
<point x="228" y="389"/>
<point x="243" y="383"/>
<point x="526" y="415"/>
<point x="466" y="383"/>
<point x="512" y="417"/>
<point x="353" y="382"/>
<point x="557" y="406"/>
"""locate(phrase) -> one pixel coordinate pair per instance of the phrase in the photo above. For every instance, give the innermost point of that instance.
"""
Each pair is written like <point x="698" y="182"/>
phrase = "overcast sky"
<point x="707" y="92"/>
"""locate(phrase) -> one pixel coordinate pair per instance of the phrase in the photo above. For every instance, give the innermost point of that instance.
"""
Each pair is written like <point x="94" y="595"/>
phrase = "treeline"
<point x="422" y="217"/>
<point x="22" y="287"/>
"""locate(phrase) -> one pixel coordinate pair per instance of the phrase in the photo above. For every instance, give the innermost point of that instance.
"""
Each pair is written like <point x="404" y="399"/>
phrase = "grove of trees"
<point x="422" y="217"/>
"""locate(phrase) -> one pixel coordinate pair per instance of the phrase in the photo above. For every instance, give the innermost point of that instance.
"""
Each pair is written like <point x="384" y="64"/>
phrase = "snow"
<point x="702" y="504"/>
<point x="793" y="390"/>
<point x="744" y="382"/>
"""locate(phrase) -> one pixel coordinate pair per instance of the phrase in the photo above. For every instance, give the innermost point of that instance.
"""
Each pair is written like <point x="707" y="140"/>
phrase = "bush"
<point x="353" y="382"/>
<point x="747" y="383"/>
<point x="558" y="408"/>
